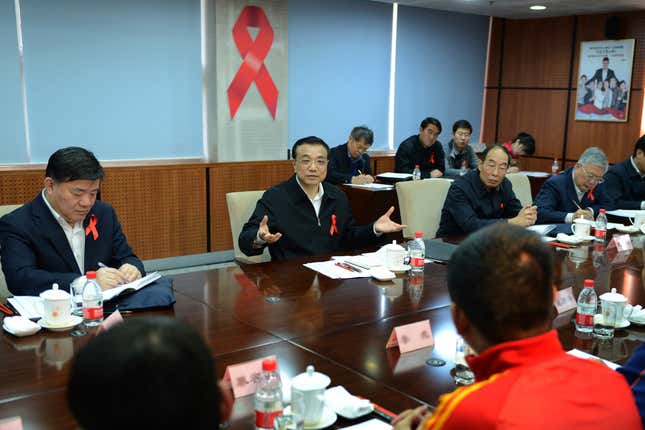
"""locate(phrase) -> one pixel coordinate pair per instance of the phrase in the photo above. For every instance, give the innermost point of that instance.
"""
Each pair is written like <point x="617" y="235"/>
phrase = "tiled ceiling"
<point x="519" y="9"/>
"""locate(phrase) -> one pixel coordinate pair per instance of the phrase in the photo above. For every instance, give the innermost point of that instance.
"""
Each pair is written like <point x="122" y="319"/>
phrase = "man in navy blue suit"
<point x="576" y="192"/>
<point x="625" y="181"/>
<point x="65" y="231"/>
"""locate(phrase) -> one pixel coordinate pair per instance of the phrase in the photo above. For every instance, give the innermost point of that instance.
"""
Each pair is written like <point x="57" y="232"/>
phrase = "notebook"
<point x="439" y="251"/>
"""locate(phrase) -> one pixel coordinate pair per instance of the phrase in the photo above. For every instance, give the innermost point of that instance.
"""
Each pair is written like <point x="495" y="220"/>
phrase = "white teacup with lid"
<point x="311" y="385"/>
<point x="56" y="306"/>
<point x="394" y="255"/>
<point x="613" y="308"/>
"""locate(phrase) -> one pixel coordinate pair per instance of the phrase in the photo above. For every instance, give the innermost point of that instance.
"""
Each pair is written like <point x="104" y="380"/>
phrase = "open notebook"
<point x="131" y="286"/>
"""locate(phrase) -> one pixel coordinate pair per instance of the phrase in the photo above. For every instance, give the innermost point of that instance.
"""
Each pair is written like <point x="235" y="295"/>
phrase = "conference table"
<point x="284" y="309"/>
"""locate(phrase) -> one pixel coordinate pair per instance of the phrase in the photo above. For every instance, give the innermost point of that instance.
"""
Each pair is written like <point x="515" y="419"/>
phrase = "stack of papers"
<point x="542" y="229"/>
<point x="535" y="174"/>
<point x="625" y="213"/>
<point x="582" y="354"/>
<point x="27" y="306"/>
<point x="373" y="186"/>
<point x="332" y="270"/>
<point x="131" y="286"/>
<point x="392" y="175"/>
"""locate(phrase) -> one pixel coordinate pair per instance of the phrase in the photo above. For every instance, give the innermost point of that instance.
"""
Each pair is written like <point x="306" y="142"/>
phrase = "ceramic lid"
<point x="310" y="380"/>
<point x="55" y="294"/>
<point x="393" y="246"/>
<point x="613" y="297"/>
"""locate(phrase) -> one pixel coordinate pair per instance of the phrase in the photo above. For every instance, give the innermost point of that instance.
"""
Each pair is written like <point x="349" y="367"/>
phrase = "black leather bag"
<point x="157" y="295"/>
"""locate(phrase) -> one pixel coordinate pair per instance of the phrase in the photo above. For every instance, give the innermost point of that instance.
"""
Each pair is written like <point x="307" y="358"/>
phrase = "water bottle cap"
<point x="589" y="283"/>
<point x="602" y="211"/>
<point x="418" y="234"/>
<point x="416" y="166"/>
<point x="269" y="365"/>
<point x="91" y="274"/>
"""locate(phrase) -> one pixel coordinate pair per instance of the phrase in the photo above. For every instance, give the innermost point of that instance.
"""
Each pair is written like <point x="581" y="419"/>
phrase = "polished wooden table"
<point x="341" y="327"/>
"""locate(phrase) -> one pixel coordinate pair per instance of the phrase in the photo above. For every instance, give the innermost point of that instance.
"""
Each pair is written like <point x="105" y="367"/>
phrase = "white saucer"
<point x="329" y="417"/>
<point x="636" y="321"/>
<point x="598" y="318"/>
<point x="399" y="269"/>
<point x="73" y="321"/>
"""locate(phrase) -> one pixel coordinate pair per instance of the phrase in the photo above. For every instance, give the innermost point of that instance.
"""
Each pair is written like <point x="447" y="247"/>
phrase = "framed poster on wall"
<point x="604" y="80"/>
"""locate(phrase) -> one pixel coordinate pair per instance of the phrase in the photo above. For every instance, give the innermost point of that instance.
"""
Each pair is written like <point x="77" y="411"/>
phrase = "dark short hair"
<point x="640" y="144"/>
<point x="151" y="372"/>
<point x="309" y="140"/>
<point x="462" y="123"/>
<point x="496" y="146"/>
<point x="430" y="120"/>
<point x="527" y="141"/>
<point x="605" y="59"/>
<point x="584" y="76"/>
<point x="501" y="278"/>
<point x="73" y="163"/>
<point x="362" y="132"/>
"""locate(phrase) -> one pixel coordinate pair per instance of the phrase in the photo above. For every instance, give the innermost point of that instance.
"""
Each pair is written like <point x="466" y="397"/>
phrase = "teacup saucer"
<point x="399" y="269"/>
<point x="599" y="318"/>
<point x="73" y="321"/>
<point x="329" y="417"/>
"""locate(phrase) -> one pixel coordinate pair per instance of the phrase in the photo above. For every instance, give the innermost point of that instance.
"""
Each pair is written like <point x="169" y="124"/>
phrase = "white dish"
<point x="627" y="228"/>
<point x="636" y="321"/>
<point x="399" y="269"/>
<point x="27" y="330"/>
<point x="382" y="274"/>
<point x="569" y="239"/>
<point x="329" y="417"/>
<point x="73" y="321"/>
<point x="599" y="319"/>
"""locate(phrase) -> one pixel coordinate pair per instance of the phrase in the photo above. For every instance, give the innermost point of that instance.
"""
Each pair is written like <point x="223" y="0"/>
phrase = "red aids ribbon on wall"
<point x="91" y="227"/>
<point x="253" y="53"/>
<point x="333" y="229"/>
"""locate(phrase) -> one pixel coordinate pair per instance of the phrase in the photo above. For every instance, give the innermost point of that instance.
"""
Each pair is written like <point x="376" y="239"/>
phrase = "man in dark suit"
<point x="422" y="149"/>
<point x="308" y="216"/>
<point x="349" y="162"/>
<point x="604" y="73"/>
<point x="483" y="197"/>
<point x="625" y="181"/>
<point x="576" y="192"/>
<point x="65" y="231"/>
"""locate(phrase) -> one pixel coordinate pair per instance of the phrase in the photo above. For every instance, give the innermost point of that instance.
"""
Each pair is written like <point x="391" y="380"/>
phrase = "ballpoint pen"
<point x="344" y="266"/>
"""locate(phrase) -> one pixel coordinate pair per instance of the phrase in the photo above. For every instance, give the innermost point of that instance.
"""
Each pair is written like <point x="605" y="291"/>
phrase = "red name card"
<point x="13" y="423"/>
<point x="243" y="377"/>
<point x="110" y="321"/>
<point x="411" y="337"/>
<point x="622" y="243"/>
<point x="565" y="301"/>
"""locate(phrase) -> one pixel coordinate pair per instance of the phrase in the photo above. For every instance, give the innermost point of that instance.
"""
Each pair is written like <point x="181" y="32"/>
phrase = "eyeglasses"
<point x="306" y="163"/>
<point x="462" y="134"/>
<point x="592" y="177"/>
<point x="490" y="165"/>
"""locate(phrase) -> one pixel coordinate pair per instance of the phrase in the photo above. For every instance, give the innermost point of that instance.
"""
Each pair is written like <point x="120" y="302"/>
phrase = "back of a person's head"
<point x="145" y="373"/>
<point x="527" y="141"/>
<point x="72" y="164"/>
<point x="501" y="278"/>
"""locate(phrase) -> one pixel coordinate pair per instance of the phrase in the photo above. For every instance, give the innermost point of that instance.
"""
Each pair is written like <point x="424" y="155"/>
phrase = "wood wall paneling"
<point x="537" y="164"/>
<point x="382" y="164"/>
<point x="162" y="209"/>
<point x="489" y="116"/>
<point x="537" y="52"/>
<point x="20" y="186"/>
<point x="494" y="54"/>
<point x="248" y="176"/>
<point x="617" y="139"/>
<point x="541" y="113"/>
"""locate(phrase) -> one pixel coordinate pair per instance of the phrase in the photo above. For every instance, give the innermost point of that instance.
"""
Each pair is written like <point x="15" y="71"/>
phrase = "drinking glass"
<point x="294" y="420"/>
<point x="462" y="373"/>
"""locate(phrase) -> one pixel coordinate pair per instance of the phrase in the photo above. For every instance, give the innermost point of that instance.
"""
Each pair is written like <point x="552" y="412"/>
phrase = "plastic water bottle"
<point x="463" y="169"/>
<point x="600" y="231"/>
<point x="268" y="396"/>
<point x="92" y="301"/>
<point x="417" y="249"/>
<point x="587" y="303"/>
<point x="416" y="173"/>
<point x="555" y="167"/>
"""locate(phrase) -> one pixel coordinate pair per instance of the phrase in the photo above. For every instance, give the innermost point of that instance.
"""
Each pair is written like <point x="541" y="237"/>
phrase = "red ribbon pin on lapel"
<point x="590" y="195"/>
<point x="501" y="205"/>
<point x="333" y="229"/>
<point x="431" y="160"/>
<point x="91" y="227"/>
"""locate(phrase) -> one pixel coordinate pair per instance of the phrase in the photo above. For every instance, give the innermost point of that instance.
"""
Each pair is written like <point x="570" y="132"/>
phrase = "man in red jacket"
<point x="500" y="283"/>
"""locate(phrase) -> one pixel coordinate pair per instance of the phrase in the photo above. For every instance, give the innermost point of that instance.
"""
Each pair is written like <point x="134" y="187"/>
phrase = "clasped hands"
<point x="382" y="225"/>
<point x="527" y="216"/>
<point x="110" y="277"/>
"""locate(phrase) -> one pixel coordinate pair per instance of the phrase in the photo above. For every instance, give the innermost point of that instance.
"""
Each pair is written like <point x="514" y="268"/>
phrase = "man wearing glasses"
<point x="349" y="162"/>
<point x="482" y="197"/>
<point x="306" y="216"/>
<point x="576" y="192"/>
<point x="457" y="151"/>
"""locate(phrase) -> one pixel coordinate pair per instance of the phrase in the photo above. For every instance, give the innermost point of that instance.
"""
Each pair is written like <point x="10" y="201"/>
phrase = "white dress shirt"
<point x="75" y="236"/>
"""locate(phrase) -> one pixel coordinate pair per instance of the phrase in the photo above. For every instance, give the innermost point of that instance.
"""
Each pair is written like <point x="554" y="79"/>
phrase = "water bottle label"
<point x="93" y="313"/>
<point x="265" y="419"/>
<point x="600" y="234"/>
<point x="584" y="320"/>
<point x="416" y="261"/>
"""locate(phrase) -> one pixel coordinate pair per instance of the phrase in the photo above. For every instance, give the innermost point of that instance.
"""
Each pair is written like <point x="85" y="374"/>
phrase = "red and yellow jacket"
<point x="533" y="384"/>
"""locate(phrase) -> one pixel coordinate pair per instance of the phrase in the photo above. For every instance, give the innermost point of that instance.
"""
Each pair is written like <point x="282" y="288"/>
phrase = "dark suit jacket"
<point x="291" y="213"/>
<point x="36" y="253"/>
<point x="411" y="152"/>
<point x="340" y="165"/>
<point x="625" y="186"/>
<point x="557" y="196"/>
<point x="470" y="206"/>
<point x="598" y="75"/>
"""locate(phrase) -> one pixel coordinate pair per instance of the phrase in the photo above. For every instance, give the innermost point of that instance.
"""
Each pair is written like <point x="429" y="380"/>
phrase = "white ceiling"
<point x="518" y="9"/>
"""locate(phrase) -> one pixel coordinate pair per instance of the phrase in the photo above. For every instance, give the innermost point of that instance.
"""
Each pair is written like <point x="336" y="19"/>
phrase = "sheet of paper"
<point x="582" y="354"/>
<point x="535" y="174"/>
<point x="542" y="229"/>
<point x="373" y="424"/>
<point x="625" y="213"/>
<point x="137" y="285"/>
<point x="27" y="306"/>
<point x="331" y="270"/>
<point x="373" y="186"/>
<point x="392" y="175"/>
